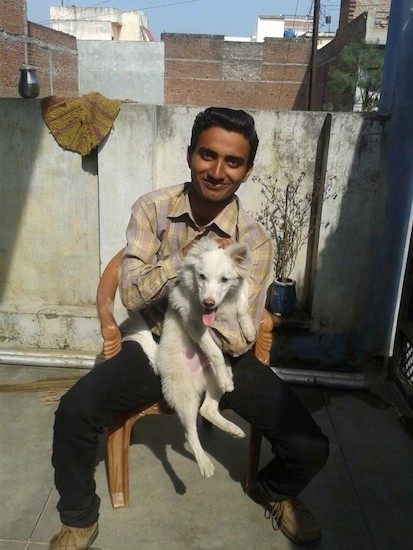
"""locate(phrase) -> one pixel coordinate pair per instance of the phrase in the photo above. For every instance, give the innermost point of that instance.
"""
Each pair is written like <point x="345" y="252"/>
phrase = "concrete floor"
<point x="363" y="498"/>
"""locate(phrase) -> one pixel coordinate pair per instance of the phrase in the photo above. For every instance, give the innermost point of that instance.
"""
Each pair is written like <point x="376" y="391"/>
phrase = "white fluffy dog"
<point x="212" y="284"/>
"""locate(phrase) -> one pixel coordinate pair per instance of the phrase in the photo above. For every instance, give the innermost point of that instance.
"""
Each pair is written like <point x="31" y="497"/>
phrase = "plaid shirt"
<point x="161" y="225"/>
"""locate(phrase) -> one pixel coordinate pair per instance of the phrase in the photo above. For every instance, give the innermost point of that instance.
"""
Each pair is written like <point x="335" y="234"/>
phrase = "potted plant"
<point x="287" y="214"/>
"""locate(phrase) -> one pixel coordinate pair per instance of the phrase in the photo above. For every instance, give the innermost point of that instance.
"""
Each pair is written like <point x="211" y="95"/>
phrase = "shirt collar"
<point x="226" y="221"/>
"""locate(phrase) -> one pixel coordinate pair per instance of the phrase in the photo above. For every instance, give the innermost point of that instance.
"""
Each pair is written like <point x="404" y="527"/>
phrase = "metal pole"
<point x="326" y="379"/>
<point x="313" y="75"/>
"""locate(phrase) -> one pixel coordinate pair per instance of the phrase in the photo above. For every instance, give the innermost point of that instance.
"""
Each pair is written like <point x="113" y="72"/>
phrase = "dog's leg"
<point x="210" y="409"/>
<point x="223" y="378"/>
<point x="183" y="397"/>
<point x="201" y="336"/>
<point x="204" y="463"/>
<point x="181" y="387"/>
<point x="215" y="358"/>
<point x="185" y="401"/>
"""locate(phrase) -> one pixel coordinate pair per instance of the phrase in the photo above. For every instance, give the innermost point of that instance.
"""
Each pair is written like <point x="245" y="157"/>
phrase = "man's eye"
<point x="233" y="163"/>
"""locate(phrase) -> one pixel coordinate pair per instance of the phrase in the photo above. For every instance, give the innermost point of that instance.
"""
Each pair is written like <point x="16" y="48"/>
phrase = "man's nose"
<point x="217" y="170"/>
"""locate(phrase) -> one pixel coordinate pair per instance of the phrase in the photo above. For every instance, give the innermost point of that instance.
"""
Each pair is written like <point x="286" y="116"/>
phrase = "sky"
<point x="225" y="17"/>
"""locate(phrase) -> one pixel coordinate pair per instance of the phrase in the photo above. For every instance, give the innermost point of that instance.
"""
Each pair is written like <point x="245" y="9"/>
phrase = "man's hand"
<point x="187" y="248"/>
<point x="222" y="243"/>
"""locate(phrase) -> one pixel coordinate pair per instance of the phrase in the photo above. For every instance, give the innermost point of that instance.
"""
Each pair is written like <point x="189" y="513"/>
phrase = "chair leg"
<point x="253" y="458"/>
<point x="118" y="442"/>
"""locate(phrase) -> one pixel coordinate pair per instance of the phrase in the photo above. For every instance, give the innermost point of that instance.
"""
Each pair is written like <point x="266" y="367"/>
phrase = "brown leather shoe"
<point x="294" y="519"/>
<point x="74" y="538"/>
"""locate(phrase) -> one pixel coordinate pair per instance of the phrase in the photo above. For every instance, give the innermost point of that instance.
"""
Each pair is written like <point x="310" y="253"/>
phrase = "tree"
<point x="359" y="69"/>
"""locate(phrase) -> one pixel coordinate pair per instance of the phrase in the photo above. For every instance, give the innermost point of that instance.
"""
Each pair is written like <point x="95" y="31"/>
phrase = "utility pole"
<point x="313" y="70"/>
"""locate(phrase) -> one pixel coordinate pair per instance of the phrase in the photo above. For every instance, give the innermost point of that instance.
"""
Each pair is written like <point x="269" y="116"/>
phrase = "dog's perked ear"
<point x="240" y="255"/>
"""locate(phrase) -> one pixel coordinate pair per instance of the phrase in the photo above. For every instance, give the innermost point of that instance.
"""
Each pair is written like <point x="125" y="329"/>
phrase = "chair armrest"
<point x="262" y="348"/>
<point x="108" y="284"/>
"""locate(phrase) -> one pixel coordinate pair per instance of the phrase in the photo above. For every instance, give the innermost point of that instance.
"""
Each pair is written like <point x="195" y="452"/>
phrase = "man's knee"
<point x="73" y="408"/>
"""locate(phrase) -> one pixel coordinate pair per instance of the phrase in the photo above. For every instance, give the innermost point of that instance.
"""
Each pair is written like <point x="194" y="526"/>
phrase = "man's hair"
<point x="231" y="120"/>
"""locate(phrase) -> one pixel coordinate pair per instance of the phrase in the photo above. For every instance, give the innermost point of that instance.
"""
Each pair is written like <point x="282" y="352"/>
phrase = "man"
<point x="162" y="228"/>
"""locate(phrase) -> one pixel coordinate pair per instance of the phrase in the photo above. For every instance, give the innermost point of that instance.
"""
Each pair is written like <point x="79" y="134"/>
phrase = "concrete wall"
<point x="49" y="218"/>
<point x="63" y="216"/>
<point x="122" y="70"/>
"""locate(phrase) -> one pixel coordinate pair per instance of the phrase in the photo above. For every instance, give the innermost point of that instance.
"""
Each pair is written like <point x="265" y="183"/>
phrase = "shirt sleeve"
<point x="227" y="333"/>
<point x="144" y="279"/>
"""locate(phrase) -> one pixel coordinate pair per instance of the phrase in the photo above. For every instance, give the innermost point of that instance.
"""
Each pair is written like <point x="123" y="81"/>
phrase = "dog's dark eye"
<point x="202" y="276"/>
<point x="224" y="280"/>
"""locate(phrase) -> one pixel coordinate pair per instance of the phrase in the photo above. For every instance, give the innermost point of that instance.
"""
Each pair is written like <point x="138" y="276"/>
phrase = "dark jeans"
<point x="127" y="381"/>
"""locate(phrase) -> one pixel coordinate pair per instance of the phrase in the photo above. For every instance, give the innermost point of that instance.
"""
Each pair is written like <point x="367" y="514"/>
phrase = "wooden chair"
<point x="119" y="432"/>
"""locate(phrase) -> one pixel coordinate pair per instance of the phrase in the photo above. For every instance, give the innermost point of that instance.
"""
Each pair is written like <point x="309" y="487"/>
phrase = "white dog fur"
<point x="212" y="284"/>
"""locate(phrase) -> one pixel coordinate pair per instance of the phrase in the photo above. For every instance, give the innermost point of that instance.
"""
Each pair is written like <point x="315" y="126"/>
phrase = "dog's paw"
<point x="226" y="385"/>
<point x="206" y="467"/>
<point x="248" y="330"/>
<point x="250" y="335"/>
<point x="236" y="432"/>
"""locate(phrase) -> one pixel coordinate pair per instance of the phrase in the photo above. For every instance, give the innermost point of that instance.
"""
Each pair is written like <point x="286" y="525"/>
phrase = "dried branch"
<point x="286" y="214"/>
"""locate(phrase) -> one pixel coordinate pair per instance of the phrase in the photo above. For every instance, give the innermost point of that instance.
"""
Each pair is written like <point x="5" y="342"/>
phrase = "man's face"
<point x="218" y="165"/>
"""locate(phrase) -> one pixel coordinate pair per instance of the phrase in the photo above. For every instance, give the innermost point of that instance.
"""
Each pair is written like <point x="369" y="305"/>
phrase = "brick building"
<point x="208" y="70"/>
<point x="53" y="54"/>
<point x="356" y="24"/>
<point x="350" y="9"/>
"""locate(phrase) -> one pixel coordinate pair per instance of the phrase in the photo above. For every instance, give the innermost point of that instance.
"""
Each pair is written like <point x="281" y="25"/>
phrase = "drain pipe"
<point x="54" y="358"/>
<point x="341" y="380"/>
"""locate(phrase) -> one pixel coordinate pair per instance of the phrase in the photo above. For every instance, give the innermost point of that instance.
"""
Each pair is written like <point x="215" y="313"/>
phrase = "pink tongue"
<point x="208" y="317"/>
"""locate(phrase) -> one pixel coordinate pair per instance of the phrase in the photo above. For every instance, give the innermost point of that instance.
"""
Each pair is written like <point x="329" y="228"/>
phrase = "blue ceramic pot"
<point x="283" y="297"/>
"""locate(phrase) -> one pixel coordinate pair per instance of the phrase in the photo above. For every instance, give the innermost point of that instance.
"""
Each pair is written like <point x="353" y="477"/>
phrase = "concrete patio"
<point x="362" y="499"/>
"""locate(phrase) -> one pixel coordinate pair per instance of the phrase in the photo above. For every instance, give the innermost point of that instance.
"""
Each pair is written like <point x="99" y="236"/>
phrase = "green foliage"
<point x="359" y="65"/>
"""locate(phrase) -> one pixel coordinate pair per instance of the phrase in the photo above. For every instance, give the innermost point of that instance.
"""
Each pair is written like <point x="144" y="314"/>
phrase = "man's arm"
<point x="144" y="279"/>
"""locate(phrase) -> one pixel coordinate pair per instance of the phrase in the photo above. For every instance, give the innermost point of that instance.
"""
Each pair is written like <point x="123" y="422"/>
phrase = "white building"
<point x="286" y="26"/>
<point x="101" y="23"/>
<point x="282" y="26"/>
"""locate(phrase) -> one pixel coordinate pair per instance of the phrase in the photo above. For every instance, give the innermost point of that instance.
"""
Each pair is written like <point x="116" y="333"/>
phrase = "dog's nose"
<point x="209" y="303"/>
